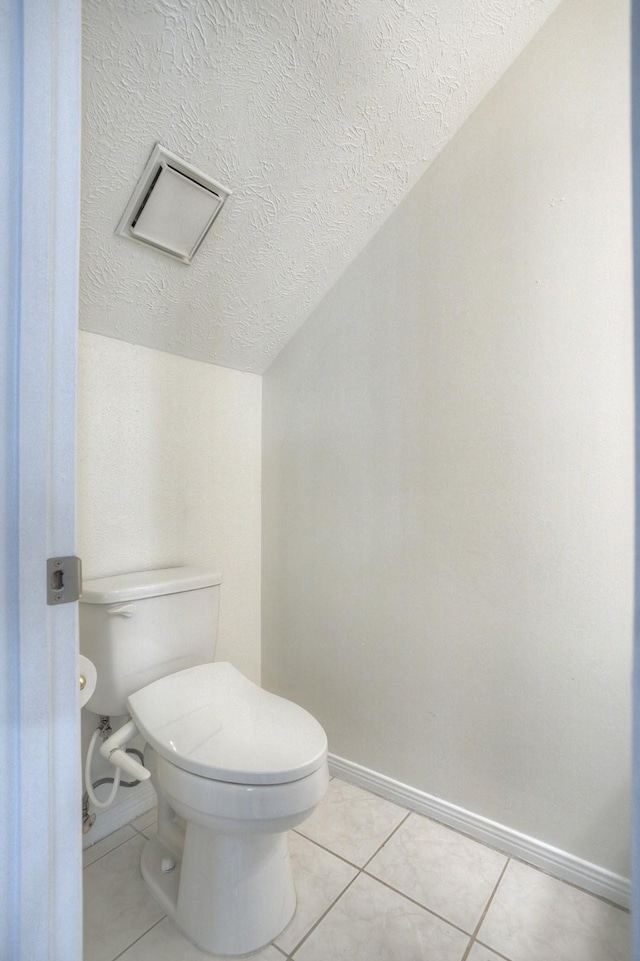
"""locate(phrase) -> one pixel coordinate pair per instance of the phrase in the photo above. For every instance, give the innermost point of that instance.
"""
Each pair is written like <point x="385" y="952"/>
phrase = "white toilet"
<point x="234" y="767"/>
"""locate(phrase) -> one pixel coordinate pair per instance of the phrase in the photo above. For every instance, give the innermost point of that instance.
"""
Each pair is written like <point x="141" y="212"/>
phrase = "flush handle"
<point x="123" y="610"/>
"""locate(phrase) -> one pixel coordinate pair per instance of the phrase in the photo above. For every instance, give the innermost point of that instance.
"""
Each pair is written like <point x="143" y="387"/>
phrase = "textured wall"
<point x="447" y="451"/>
<point x="318" y="115"/>
<point x="169" y="474"/>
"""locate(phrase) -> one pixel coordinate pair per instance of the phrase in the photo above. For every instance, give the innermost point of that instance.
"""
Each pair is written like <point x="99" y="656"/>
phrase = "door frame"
<point x="635" y="766"/>
<point x="42" y="647"/>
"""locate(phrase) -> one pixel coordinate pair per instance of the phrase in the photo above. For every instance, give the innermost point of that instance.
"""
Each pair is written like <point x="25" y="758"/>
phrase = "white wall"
<point x="169" y="474"/>
<point x="447" y="454"/>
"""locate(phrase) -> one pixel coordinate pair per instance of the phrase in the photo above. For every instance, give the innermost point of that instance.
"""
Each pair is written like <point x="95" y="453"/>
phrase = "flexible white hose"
<point x="87" y="776"/>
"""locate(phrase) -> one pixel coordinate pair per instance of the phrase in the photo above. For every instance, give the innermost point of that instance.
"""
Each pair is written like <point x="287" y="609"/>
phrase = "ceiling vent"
<point x="172" y="207"/>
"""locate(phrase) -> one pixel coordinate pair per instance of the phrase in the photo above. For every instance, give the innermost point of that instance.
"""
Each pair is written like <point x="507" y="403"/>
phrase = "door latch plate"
<point x="64" y="579"/>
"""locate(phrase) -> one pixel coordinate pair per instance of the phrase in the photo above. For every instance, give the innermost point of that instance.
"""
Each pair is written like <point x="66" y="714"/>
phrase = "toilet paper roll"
<point x="86" y="670"/>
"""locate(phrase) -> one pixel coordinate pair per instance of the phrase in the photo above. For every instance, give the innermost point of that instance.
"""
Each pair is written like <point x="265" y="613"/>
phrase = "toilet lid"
<point x="212" y="721"/>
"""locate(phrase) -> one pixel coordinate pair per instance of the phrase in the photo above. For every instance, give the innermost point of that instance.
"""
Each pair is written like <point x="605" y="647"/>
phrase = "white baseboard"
<point x="137" y="801"/>
<point x="560" y="864"/>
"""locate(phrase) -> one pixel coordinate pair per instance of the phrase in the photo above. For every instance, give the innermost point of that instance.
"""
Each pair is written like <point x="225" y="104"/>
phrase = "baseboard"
<point x="560" y="864"/>
<point x="138" y="801"/>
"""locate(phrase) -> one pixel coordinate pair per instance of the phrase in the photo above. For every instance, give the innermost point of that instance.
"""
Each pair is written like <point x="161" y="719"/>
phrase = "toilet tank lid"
<point x="139" y="584"/>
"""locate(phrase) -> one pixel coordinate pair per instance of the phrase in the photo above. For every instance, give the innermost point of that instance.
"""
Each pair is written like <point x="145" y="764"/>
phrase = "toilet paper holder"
<point x="87" y="679"/>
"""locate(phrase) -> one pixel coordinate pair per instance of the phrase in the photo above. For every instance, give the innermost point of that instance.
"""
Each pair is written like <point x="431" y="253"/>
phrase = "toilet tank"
<point x="142" y="626"/>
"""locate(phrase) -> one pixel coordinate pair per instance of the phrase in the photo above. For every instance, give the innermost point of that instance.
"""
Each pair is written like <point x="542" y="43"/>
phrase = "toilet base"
<point x="230" y="895"/>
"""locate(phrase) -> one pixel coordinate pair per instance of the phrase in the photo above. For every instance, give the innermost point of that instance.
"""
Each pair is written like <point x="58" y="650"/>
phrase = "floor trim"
<point x="138" y="801"/>
<point x="560" y="864"/>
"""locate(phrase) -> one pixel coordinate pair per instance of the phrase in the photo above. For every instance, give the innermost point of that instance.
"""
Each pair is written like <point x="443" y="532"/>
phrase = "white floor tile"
<point x="445" y="871"/>
<point x="89" y="855"/>
<point x="319" y="878"/>
<point x="480" y="953"/>
<point x="166" y="943"/>
<point x="118" y="908"/>
<point x="534" y="916"/>
<point x="145" y="820"/>
<point x="372" y="923"/>
<point x="351" y="822"/>
<point x="151" y="830"/>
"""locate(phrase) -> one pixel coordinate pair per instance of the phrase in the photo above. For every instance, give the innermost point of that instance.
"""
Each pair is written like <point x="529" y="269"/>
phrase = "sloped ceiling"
<point x="318" y="114"/>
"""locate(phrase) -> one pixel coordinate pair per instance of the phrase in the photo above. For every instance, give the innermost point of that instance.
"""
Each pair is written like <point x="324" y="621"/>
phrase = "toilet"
<point x="234" y="767"/>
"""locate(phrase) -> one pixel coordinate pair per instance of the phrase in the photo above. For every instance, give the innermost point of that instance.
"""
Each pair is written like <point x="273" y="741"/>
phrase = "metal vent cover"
<point x="172" y="207"/>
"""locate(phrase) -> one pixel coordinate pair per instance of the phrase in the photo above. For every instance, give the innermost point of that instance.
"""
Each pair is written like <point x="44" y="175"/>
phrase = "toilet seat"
<point x="212" y="721"/>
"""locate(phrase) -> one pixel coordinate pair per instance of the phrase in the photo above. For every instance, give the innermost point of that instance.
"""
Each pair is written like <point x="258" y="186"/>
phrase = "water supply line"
<point x="103" y="730"/>
<point x="111" y="750"/>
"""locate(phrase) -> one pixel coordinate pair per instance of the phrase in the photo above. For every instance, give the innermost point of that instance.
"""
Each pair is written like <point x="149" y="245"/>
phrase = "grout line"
<point x="418" y="904"/>
<point x="323" y="916"/>
<point x="484" y="913"/>
<point x="363" y="871"/>
<point x="142" y="830"/>
<point x="147" y="837"/>
<point x="164" y="916"/>
<point x="360" y="870"/>
<point x="110" y="851"/>
<point x="388" y="838"/>
<point x="503" y="957"/>
<point x="340" y="857"/>
<point x="359" y="867"/>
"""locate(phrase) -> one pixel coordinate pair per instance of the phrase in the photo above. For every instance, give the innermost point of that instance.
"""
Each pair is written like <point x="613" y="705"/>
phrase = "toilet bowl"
<point x="234" y="767"/>
<point x="229" y="886"/>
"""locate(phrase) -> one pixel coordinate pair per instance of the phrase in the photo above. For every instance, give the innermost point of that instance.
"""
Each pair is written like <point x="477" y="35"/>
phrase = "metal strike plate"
<point x="64" y="579"/>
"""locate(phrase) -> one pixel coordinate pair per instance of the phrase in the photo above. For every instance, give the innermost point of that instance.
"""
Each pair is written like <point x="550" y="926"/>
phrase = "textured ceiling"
<point x="318" y="114"/>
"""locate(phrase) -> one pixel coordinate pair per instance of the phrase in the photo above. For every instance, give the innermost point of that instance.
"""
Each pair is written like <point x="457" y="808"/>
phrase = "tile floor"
<point x="375" y="882"/>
